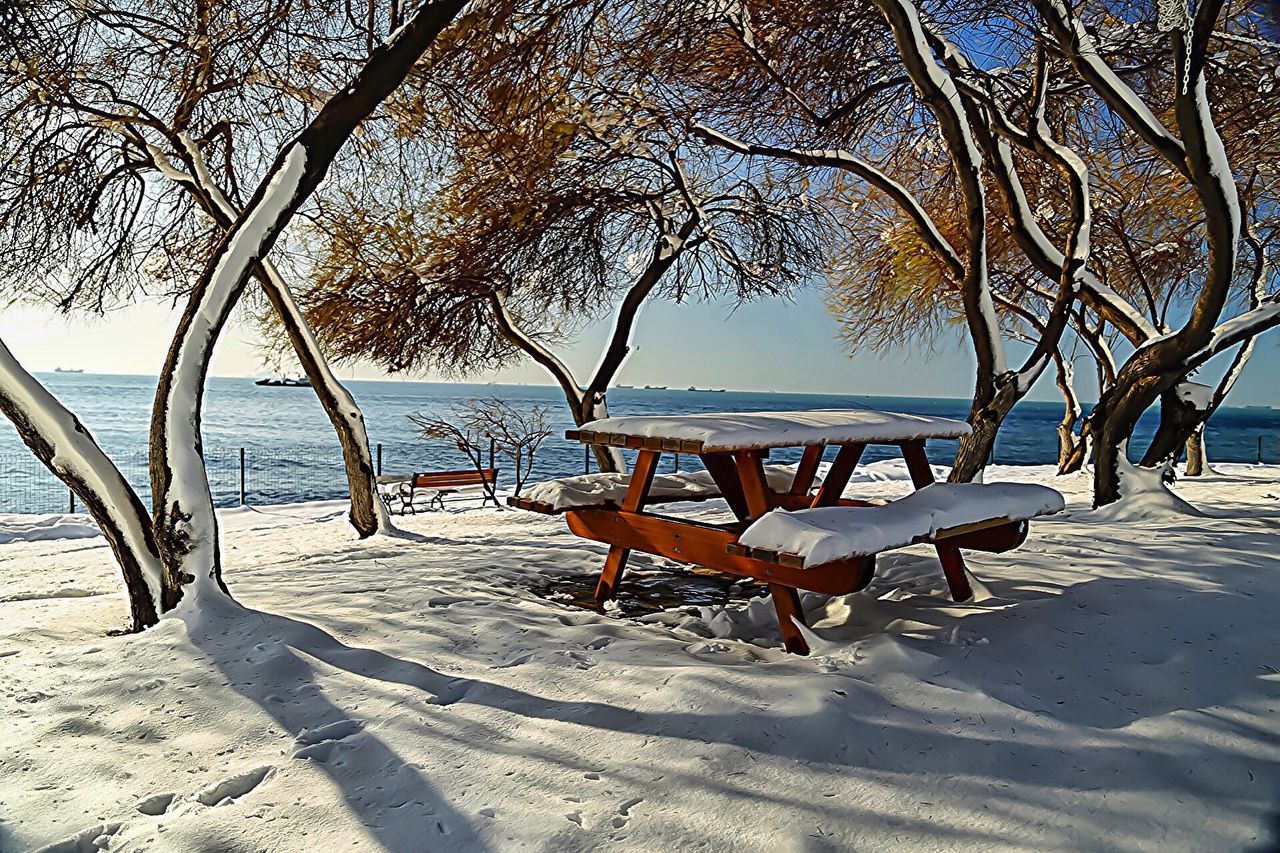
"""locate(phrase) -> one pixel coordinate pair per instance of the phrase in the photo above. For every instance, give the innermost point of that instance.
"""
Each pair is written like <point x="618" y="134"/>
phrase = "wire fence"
<point x="289" y="474"/>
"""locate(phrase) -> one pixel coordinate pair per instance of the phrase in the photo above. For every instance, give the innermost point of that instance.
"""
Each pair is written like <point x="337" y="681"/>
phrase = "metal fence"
<point x="236" y="475"/>
<point x="288" y="474"/>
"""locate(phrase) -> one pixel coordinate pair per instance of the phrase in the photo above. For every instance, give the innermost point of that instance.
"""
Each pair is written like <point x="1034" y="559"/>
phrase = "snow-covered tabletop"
<point x="760" y="430"/>
<point x="587" y="490"/>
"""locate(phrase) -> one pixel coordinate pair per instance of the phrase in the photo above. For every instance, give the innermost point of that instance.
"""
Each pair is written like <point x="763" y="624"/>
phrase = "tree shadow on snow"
<point x="1083" y="658"/>
<point x="1109" y="652"/>
<point x="264" y="658"/>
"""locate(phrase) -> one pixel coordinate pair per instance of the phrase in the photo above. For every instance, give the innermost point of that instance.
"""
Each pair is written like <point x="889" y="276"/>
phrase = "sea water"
<point x="291" y="454"/>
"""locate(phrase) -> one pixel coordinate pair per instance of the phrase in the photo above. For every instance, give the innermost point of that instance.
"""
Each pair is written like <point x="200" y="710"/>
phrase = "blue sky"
<point x="770" y="345"/>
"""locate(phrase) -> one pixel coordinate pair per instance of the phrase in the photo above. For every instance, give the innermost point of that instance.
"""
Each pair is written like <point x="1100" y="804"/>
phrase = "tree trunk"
<point x="56" y="436"/>
<point x="609" y="460"/>
<point x="1113" y="419"/>
<point x="186" y="527"/>
<point x="368" y="513"/>
<point x="1065" y="379"/>
<point x="985" y="420"/>
<point x="1179" y="419"/>
<point x="1196" y="456"/>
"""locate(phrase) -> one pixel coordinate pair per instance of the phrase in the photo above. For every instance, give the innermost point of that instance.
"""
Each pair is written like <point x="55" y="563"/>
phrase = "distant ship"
<point x="68" y="370"/>
<point x="285" y="382"/>
<point x="707" y="390"/>
<point x="629" y="387"/>
<point x="655" y="387"/>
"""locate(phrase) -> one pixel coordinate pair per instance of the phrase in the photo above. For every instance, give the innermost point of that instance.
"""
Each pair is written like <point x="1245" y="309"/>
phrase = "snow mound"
<point x="827" y="534"/>
<point x="1144" y="495"/>
<point x="43" y="528"/>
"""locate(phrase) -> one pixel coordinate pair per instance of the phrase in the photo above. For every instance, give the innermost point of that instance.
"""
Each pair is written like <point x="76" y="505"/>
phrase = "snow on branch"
<point x="1082" y="52"/>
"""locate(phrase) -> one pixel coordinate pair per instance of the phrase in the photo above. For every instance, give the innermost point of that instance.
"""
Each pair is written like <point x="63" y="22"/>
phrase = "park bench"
<point x="787" y="530"/>
<point x="401" y="494"/>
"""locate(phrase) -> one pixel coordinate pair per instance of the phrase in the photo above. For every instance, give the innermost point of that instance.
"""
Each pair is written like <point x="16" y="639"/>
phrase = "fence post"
<point x="379" y="458"/>
<point x="586" y="459"/>
<point x="676" y="469"/>
<point x="242" y="500"/>
<point x="71" y="502"/>
<point x="492" y="444"/>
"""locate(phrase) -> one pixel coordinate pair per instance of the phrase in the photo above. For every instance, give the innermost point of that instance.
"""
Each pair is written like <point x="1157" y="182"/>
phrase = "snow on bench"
<point x="827" y="534"/>
<point x="596" y="490"/>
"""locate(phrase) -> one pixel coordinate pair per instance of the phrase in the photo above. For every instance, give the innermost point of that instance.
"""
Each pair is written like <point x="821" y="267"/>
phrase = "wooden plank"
<point x="707" y="545"/>
<point x="961" y="529"/>
<point x="531" y="506"/>
<point x="794" y="561"/>
<point x="996" y="539"/>
<point x="468" y="477"/>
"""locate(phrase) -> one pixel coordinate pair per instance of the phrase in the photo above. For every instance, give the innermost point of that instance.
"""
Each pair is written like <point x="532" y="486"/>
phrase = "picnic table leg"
<point x="807" y="469"/>
<point x="786" y="601"/>
<point x="755" y="488"/>
<point x="951" y="558"/>
<point x="724" y="473"/>
<point x="953" y="568"/>
<point x="607" y="586"/>
<point x="838" y="475"/>
<point x="614" y="564"/>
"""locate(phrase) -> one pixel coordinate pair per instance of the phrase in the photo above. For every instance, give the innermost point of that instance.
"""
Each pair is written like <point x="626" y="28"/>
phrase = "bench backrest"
<point x="469" y="477"/>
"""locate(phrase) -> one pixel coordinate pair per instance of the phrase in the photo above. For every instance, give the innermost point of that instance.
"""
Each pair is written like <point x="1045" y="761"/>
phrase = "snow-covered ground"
<point x="1116" y="686"/>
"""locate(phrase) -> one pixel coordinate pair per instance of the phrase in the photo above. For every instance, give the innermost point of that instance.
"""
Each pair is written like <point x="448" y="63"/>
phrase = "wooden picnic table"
<point x="733" y="447"/>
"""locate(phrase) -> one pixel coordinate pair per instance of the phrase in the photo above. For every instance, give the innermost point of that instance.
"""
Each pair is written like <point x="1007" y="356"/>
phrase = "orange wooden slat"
<point x="705" y="545"/>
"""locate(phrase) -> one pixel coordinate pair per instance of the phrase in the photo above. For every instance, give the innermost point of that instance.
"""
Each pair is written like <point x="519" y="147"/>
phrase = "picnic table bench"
<point x="788" y="529"/>
<point x="435" y="485"/>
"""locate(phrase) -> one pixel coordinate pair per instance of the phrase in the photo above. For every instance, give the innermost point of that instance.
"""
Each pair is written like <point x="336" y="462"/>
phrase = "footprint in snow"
<point x="156" y="804"/>
<point x="96" y="837"/>
<point x="516" y="661"/>
<point x="319" y="743"/>
<point x="233" y="788"/>
<point x="624" y="812"/>
<point x="330" y="731"/>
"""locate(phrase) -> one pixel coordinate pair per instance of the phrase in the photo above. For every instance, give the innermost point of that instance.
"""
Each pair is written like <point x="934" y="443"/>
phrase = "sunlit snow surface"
<point x="1114" y="686"/>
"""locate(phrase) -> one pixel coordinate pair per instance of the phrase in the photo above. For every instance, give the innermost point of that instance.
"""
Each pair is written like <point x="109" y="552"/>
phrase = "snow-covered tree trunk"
<point x="58" y="438"/>
<point x="1161" y="364"/>
<point x="1179" y="427"/>
<point x="368" y="513"/>
<point x="186" y="527"/>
